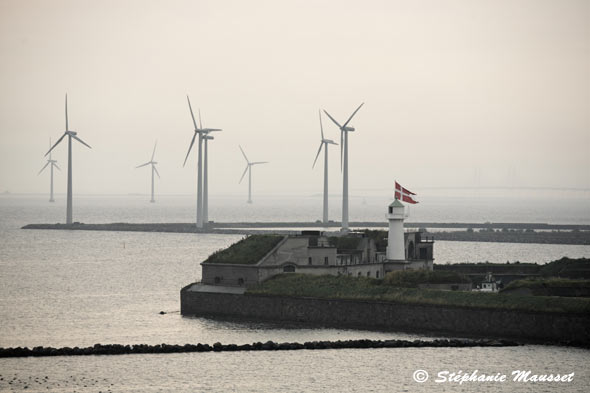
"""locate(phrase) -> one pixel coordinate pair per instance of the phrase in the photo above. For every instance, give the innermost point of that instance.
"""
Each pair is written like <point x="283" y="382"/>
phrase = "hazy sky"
<point x="457" y="93"/>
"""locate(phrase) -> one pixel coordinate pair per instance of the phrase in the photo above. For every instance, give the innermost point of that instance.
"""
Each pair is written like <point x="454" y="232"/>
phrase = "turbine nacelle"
<point x="343" y="129"/>
<point x="72" y="133"/>
<point x="198" y="130"/>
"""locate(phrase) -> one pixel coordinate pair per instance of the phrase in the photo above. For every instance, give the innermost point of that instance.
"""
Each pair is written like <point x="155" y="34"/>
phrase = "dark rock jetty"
<point x="118" y="349"/>
<point x="488" y="232"/>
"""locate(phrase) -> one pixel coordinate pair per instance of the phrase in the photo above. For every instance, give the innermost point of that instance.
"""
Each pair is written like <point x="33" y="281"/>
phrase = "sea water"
<point x="78" y="288"/>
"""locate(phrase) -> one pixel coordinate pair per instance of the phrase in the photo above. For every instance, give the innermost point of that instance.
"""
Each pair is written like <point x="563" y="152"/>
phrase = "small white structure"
<point x="489" y="284"/>
<point x="396" y="249"/>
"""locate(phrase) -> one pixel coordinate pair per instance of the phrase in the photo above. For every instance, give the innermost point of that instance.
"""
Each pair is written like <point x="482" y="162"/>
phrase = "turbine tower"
<point x="249" y="170"/>
<point x="201" y="132"/>
<point x="154" y="170"/>
<point x="70" y="134"/>
<point x="324" y="143"/>
<point x="344" y="130"/>
<point x="51" y="163"/>
<point x="205" y="177"/>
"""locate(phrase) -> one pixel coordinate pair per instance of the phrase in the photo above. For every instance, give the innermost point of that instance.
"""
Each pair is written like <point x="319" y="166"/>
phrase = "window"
<point x="217" y="279"/>
<point x="326" y="260"/>
<point x="309" y="260"/>
<point x="240" y="281"/>
<point x="369" y="274"/>
<point x="423" y="253"/>
<point x="377" y="274"/>
<point x="289" y="269"/>
<point x="359" y="274"/>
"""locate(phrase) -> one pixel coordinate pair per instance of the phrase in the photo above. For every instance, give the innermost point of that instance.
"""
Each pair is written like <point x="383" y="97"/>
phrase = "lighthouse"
<point x="396" y="250"/>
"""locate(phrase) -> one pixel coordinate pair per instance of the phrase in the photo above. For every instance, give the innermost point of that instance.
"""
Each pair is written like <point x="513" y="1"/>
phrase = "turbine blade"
<point x="317" y="155"/>
<point x="191" y="109"/>
<point x="353" y="113"/>
<point x="331" y="118"/>
<point x="244" y="154"/>
<point x="67" y="127"/>
<point x="321" y="126"/>
<point x="55" y="165"/>
<point x="156" y="170"/>
<point x="189" y="148"/>
<point x="50" y="147"/>
<point x="259" y="162"/>
<point x="244" y="174"/>
<point x="154" y="152"/>
<point x="139" y="166"/>
<point x="200" y="124"/>
<point x="56" y="143"/>
<point x="81" y="141"/>
<point x="48" y="162"/>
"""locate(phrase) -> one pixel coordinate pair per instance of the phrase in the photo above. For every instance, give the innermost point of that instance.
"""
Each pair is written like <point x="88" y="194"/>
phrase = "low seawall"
<point x="529" y="326"/>
<point x="572" y="235"/>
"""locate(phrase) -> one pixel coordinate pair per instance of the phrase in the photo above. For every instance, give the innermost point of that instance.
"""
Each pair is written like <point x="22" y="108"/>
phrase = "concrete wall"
<point x="380" y="315"/>
<point x="447" y="287"/>
<point x="229" y="275"/>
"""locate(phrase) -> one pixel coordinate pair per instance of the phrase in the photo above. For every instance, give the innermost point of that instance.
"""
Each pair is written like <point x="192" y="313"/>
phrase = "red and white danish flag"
<point x="404" y="194"/>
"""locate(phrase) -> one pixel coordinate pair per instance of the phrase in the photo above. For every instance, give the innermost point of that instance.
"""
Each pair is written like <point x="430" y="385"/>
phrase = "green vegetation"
<point x="412" y="278"/>
<point x="344" y="242"/>
<point x="535" y="283"/>
<point x="379" y="237"/>
<point x="566" y="267"/>
<point x="361" y="288"/>
<point x="247" y="251"/>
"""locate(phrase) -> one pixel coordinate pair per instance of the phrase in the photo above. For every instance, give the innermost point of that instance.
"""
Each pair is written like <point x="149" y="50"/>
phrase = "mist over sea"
<point x="78" y="288"/>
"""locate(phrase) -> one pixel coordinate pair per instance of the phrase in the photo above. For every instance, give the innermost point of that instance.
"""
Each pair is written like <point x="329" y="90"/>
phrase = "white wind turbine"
<point x="344" y="130"/>
<point x="205" y="177"/>
<point x="201" y="132"/>
<point x="51" y="163"/>
<point x="249" y="170"/>
<point x="70" y="135"/>
<point x="154" y="170"/>
<point x="324" y="143"/>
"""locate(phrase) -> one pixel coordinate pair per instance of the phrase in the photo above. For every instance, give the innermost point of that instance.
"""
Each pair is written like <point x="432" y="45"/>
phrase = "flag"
<point x="404" y="194"/>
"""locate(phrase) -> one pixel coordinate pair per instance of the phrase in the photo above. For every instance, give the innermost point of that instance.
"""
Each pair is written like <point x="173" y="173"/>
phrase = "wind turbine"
<point x="52" y="163"/>
<point x="249" y="170"/>
<point x="154" y="170"/>
<point x="70" y="134"/>
<point x="344" y="130"/>
<point x="206" y="137"/>
<point x="205" y="181"/>
<point x="201" y="132"/>
<point x="324" y="143"/>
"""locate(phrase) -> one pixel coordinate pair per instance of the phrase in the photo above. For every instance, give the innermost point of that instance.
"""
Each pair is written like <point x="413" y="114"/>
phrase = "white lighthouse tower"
<point x="396" y="250"/>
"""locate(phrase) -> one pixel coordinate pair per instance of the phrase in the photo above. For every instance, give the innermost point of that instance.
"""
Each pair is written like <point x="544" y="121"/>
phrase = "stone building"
<point x="259" y="257"/>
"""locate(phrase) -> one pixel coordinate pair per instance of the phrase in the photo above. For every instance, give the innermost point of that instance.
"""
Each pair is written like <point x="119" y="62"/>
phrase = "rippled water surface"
<point x="78" y="288"/>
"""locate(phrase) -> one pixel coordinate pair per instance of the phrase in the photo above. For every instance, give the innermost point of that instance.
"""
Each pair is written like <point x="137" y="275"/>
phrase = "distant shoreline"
<point x="474" y="232"/>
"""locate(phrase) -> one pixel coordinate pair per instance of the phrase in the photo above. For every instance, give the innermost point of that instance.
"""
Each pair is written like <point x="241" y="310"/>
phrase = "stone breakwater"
<point x="118" y="349"/>
<point x="503" y="233"/>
